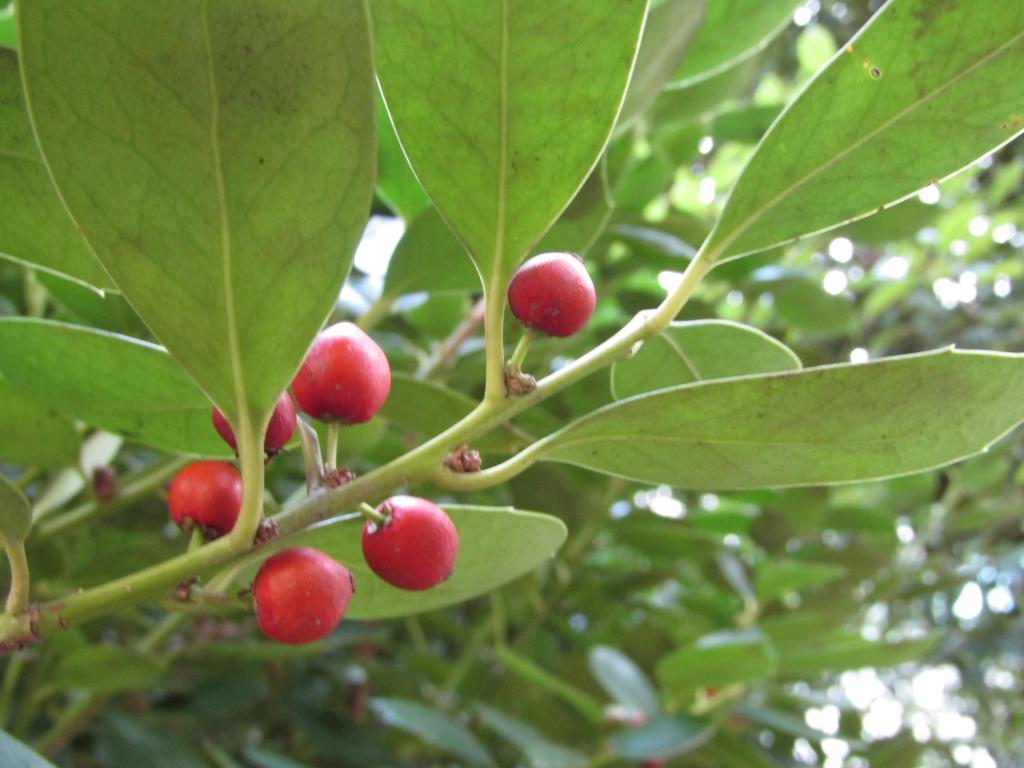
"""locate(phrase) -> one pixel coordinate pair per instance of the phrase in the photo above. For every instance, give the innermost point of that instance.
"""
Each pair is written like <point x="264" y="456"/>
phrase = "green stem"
<point x="519" y="354"/>
<point x="377" y="313"/>
<point x="494" y="338"/>
<point x="372" y="514"/>
<point x="17" y="596"/>
<point x="195" y="540"/>
<point x="11" y="676"/>
<point x="422" y="463"/>
<point x="136" y="486"/>
<point x="333" y="429"/>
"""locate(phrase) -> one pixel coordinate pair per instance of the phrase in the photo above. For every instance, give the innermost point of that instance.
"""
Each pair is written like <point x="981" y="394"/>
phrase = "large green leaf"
<point x="499" y="117"/>
<point x="433" y="728"/>
<point x="732" y="30"/>
<point x="15" y="513"/>
<point x="14" y="754"/>
<point x="668" y="33"/>
<point x="34" y="226"/>
<point x="717" y="660"/>
<point x="831" y="424"/>
<point x="496" y="546"/>
<point x="35" y="434"/>
<point x="219" y="157"/>
<point x="697" y="351"/>
<point x="396" y="183"/>
<point x="109" y="381"/>
<point x="925" y="90"/>
<point x="582" y="222"/>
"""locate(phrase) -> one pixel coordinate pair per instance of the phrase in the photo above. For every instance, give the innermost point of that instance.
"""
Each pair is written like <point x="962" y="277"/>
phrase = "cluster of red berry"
<point x="301" y="594"/>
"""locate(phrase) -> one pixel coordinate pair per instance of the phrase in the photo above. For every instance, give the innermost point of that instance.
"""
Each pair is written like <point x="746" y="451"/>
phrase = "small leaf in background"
<point x="804" y="304"/>
<point x="496" y="546"/>
<point x="108" y="669"/>
<point x="124" y="740"/>
<point x="500" y="120"/>
<point x="15" y="513"/>
<point x="697" y="351"/>
<point x="261" y="758"/>
<point x="819" y="425"/>
<point x="8" y="26"/>
<point x="802" y="661"/>
<point x="525" y="668"/>
<point x="777" y="578"/>
<point x="123" y="385"/>
<point x="396" y="183"/>
<point x="582" y="222"/>
<point x="429" y="259"/>
<point x="717" y="660"/>
<point x="623" y="680"/>
<point x="225" y="180"/>
<point x="433" y="728"/>
<point x="827" y="161"/>
<point x="14" y="754"/>
<point x="663" y="737"/>
<point x="35" y="228"/>
<point x="34" y="434"/>
<point x="536" y="748"/>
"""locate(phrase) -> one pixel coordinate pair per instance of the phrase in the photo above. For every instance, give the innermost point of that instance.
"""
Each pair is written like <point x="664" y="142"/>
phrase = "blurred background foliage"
<point x="874" y="624"/>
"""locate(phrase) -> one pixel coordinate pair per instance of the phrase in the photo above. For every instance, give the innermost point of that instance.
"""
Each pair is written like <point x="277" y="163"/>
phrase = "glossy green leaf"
<point x="668" y="33"/>
<point x="920" y="100"/>
<point x="584" y="220"/>
<point x="500" y="119"/>
<point x="396" y="183"/>
<point x="35" y="434"/>
<point x="732" y="29"/>
<point x="15" y="513"/>
<point x="223" y="177"/>
<point x="536" y="748"/>
<point x="107" y="669"/>
<point x="837" y="654"/>
<point x="776" y="578"/>
<point x="35" y="228"/>
<point x="700" y="350"/>
<point x="623" y="680"/>
<point x="717" y="660"/>
<point x="663" y="737"/>
<point x="433" y="728"/>
<point x="113" y="382"/>
<point x="14" y="754"/>
<point x="533" y="673"/>
<point x="496" y="546"/>
<point x="430" y="259"/>
<point x="831" y="424"/>
<point x="427" y="409"/>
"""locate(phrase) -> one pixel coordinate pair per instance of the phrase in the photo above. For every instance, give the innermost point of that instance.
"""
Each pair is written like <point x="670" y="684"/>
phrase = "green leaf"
<point x="396" y="183"/>
<point x="427" y="409"/>
<point x="496" y="545"/>
<point x="776" y="578"/>
<point x="119" y="384"/>
<point x="107" y="669"/>
<point x="805" y="305"/>
<point x="732" y="29"/>
<point x="261" y="758"/>
<point x="584" y="220"/>
<point x="500" y="119"/>
<point x="15" y="512"/>
<point x="623" y="680"/>
<point x="579" y="700"/>
<point x="663" y="737"/>
<point x="430" y="259"/>
<point x="717" y="660"/>
<point x="832" y="424"/>
<point x="538" y="751"/>
<point x="35" y="228"/>
<point x="917" y="76"/>
<point x="34" y="434"/>
<point x="131" y="740"/>
<point x="223" y="178"/>
<point x="433" y="728"/>
<point x="697" y="351"/>
<point x="838" y="654"/>
<point x="14" y="754"/>
<point x="8" y="27"/>
<point x="668" y="33"/>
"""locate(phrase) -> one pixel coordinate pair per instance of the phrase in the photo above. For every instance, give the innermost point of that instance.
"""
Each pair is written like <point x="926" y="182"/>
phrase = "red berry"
<point x="345" y="376"/>
<point x="415" y="547"/>
<point x="301" y="595"/>
<point x="279" y="430"/>
<point x="552" y="293"/>
<point x="207" y="494"/>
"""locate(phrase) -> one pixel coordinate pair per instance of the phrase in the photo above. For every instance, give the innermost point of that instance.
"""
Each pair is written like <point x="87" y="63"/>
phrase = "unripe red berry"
<point x="345" y="376"/>
<point x="279" y="430"/>
<point x="207" y="494"/>
<point x="553" y="293"/>
<point x="301" y="595"/>
<point x="415" y="547"/>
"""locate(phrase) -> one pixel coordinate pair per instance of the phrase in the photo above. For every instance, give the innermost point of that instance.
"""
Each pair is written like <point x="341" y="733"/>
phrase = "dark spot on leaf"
<point x="876" y="72"/>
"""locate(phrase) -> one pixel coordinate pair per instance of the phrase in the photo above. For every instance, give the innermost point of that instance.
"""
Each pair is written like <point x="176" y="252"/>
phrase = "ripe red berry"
<point x="301" y="595"/>
<point x="345" y="376"/>
<point x="415" y="547"/>
<point x="207" y="494"/>
<point x="279" y="430"/>
<point x="552" y="293"/>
